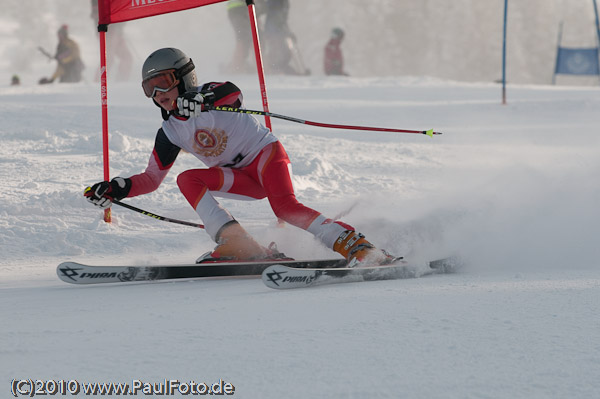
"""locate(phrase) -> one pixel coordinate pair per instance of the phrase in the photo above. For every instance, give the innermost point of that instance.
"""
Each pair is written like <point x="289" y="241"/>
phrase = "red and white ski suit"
<point x="245" y="160"/>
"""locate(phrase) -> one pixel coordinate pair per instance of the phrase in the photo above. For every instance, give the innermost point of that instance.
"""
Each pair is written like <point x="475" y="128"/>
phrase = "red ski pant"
<point x="267" y="176"/>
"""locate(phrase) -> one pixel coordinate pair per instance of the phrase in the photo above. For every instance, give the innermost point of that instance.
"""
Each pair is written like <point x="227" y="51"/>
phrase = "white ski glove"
<point x="193" y="103"/>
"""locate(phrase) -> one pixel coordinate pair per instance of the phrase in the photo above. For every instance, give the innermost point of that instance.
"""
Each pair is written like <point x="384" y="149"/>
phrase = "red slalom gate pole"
<point x="259" y="63"/>
<point x="104" y="98"/>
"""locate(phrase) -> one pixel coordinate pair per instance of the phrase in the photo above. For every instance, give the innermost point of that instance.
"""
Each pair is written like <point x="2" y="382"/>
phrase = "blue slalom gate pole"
<point x="597" y="22"/>
<point x="504" y="54"/>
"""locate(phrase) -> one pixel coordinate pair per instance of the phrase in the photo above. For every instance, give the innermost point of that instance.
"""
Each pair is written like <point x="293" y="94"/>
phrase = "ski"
<point x="77" y="273"/>
<point x="282" y="276"/>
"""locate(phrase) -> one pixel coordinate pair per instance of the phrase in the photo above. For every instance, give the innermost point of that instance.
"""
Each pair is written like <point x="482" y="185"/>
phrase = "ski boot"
<point x="234" y="244"/>
<point x="358" y="251"/>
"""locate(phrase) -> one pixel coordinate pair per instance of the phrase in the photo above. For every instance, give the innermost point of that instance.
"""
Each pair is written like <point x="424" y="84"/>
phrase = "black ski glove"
<point x="102" y="194"/>
<point x="192" y="103"/>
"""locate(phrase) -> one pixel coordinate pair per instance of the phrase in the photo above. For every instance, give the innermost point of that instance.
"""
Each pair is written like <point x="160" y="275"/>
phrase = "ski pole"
<point x="155" y="216"/>
<point x="429" y="132"/>
<point x="47" y="54"/>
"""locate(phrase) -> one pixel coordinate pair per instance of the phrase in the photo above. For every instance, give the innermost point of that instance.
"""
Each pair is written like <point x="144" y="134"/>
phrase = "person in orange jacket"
<point x="67" y="55"/>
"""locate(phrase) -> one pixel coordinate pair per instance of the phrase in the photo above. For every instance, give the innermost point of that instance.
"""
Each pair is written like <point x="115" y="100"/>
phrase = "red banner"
<point x="111" y="11"/>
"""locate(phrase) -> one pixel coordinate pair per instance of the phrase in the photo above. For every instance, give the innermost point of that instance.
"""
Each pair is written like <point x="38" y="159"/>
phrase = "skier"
<point x="69" y="66"/>
<point x="334" y="60"/>
<point x="244" y="159"/>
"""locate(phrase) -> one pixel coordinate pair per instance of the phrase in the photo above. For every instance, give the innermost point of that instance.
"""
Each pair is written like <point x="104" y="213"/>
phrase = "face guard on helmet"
<point x="166" y="69"/>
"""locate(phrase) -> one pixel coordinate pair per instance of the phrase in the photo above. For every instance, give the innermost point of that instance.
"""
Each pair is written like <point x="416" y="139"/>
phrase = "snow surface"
<point x="513" y="189"/>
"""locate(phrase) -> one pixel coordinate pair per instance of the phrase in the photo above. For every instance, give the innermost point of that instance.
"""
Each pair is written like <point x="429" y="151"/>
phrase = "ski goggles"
<point x="163" y="82"/>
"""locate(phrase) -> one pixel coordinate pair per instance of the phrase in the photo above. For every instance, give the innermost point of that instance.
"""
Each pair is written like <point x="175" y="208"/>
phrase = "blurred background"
<point x="456" y="40"/>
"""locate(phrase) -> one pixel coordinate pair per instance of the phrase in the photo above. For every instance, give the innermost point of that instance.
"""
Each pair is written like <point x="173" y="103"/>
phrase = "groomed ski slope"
<point x="513" y="189"/>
